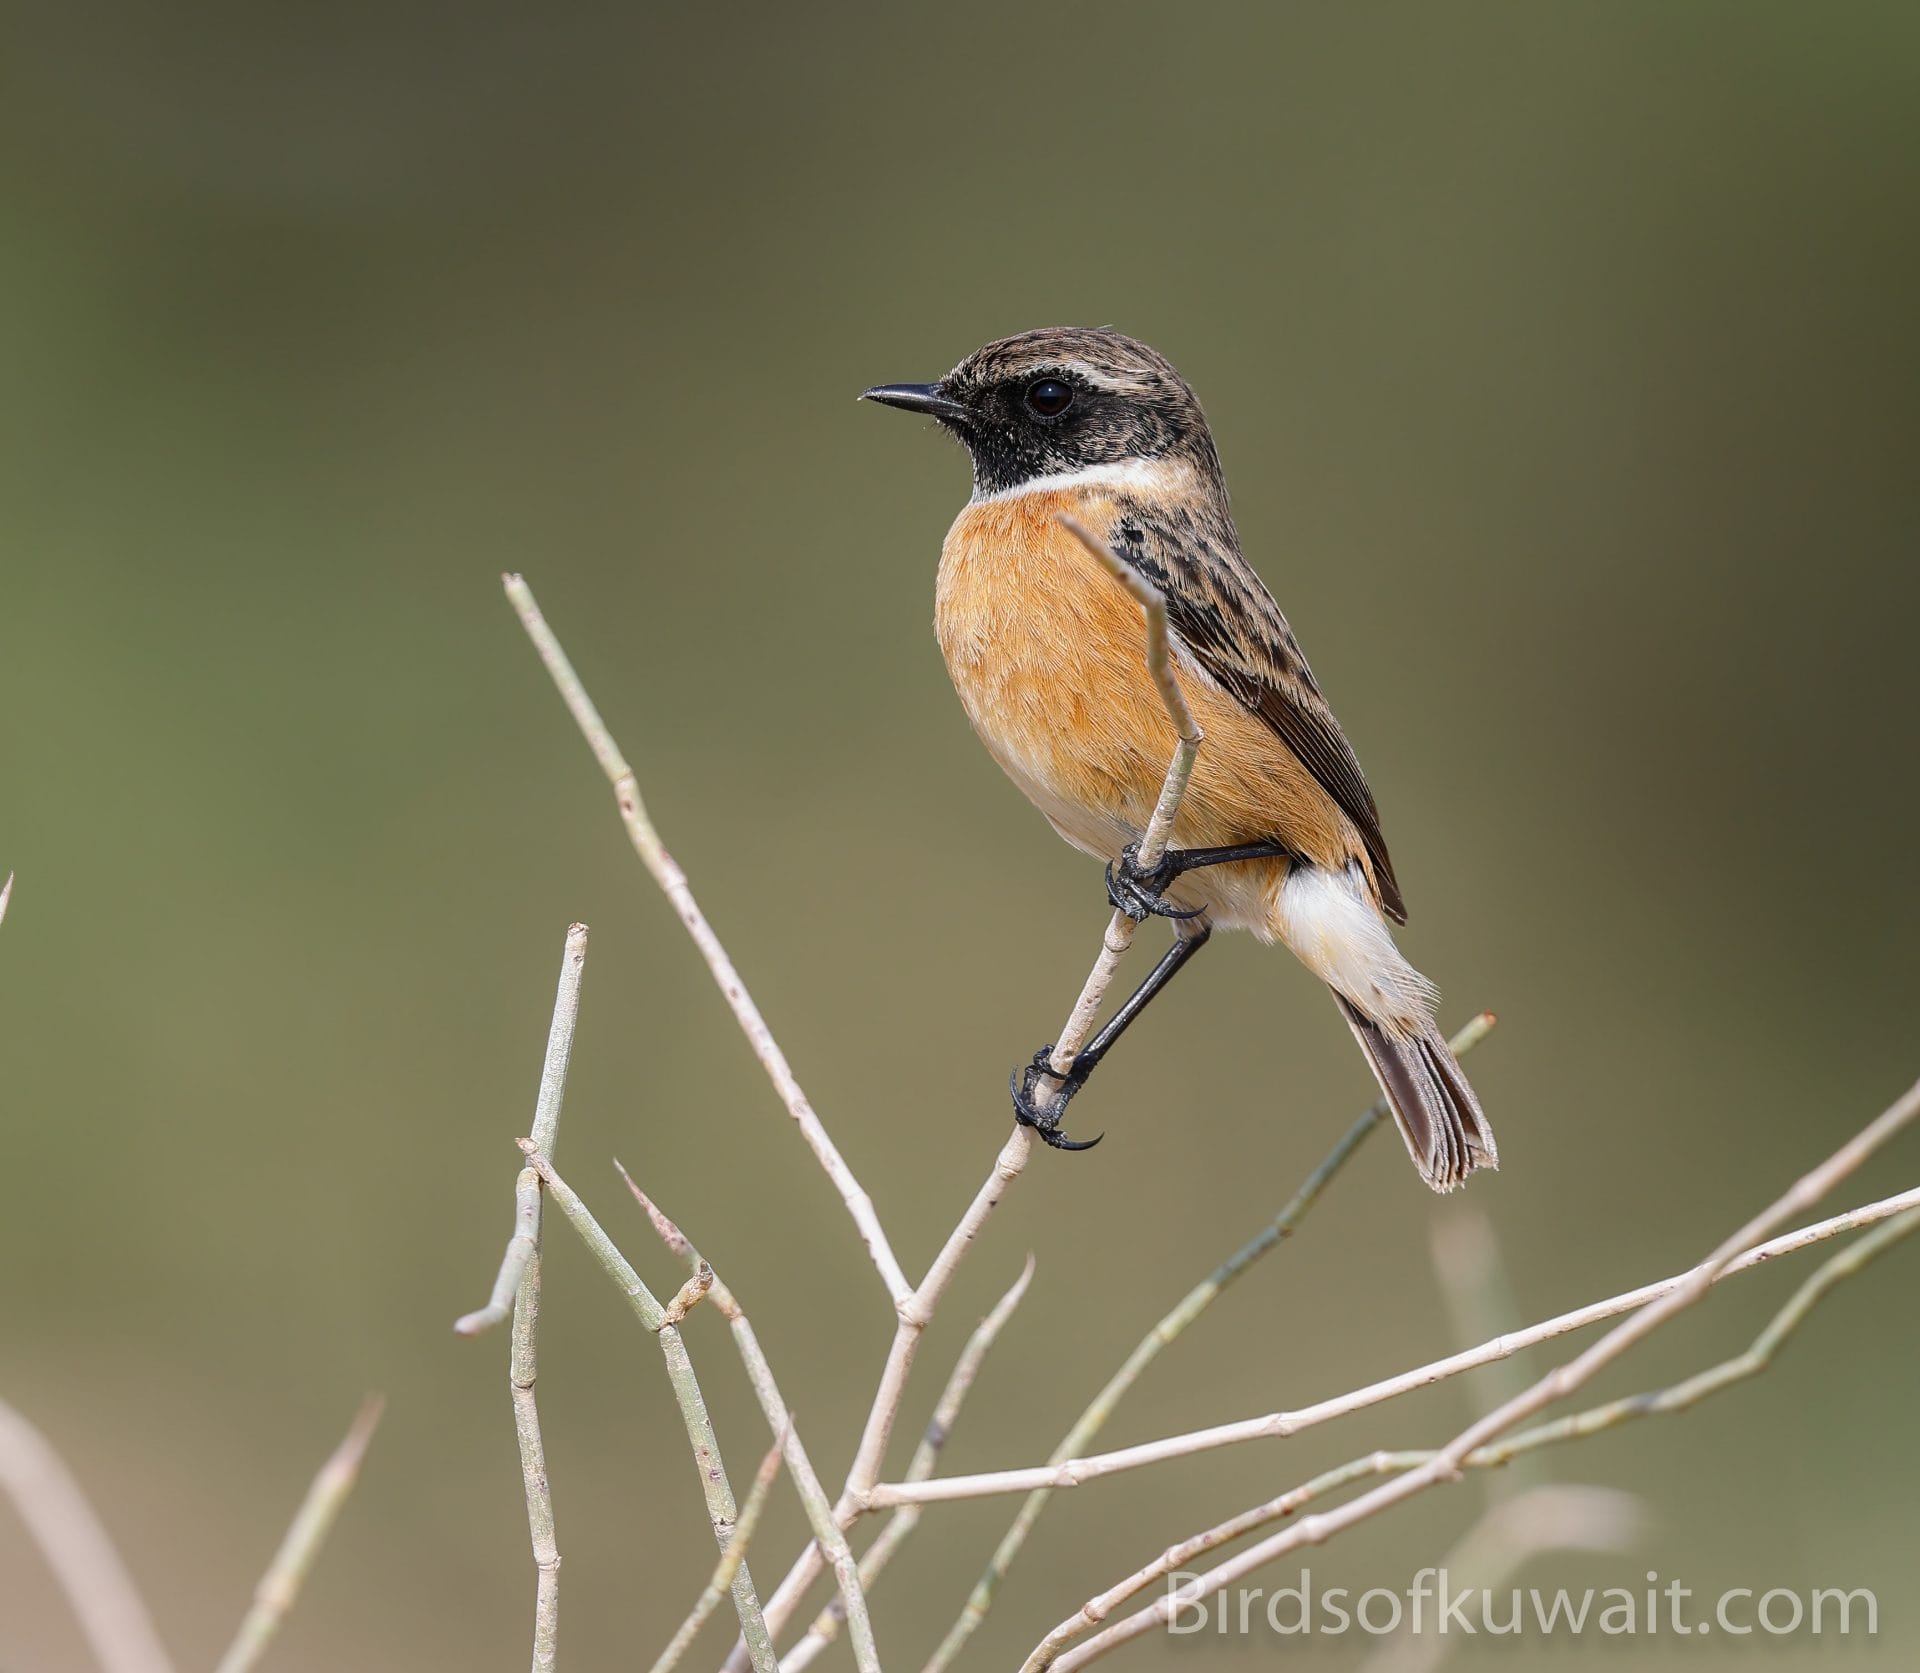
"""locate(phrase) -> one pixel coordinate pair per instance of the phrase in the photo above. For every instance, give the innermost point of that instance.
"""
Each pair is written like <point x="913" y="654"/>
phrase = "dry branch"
<point x="666" y="872"/>
<point x="901" y="1524"/>
<point x="1285" y="1423"/>
<point x="1563" y="1380"/>
<point x="1832" y="1271"/>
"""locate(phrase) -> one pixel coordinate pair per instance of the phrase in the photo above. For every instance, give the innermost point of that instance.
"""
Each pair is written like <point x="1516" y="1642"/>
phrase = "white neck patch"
<point x="1135" y="474"/>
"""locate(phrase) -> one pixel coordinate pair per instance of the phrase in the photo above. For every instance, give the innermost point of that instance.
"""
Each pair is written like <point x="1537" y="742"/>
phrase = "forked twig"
<point x="829" y="1537"/>
<point x="524" y="1245"/>
<point x="901" y="1524"/>
<point x="1835" y="1269"/>
<point x="516" y="1290"/>
<point x="1279" y="1425"/>
<point x="666" y="872"/>
<point x="1563" y="1380"/>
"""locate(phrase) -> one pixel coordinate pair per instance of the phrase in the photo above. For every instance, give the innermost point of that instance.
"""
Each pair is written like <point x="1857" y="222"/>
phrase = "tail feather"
<point x="1439" y="1117"/>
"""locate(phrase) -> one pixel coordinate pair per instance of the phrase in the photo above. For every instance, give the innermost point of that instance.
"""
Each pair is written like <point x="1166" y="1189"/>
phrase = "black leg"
<point x="1045" y="1118"/>
<point x="1140" y="891"/>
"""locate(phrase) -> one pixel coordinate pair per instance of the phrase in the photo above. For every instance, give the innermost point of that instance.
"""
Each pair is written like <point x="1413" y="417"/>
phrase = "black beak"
<point x="915" y="397"/>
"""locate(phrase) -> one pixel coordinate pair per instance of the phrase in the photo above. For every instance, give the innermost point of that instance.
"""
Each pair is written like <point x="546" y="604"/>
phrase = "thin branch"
<point x="105" y="1601"/>
<point x="730" y="1560"/>
<point x="916" y="1309"/>
<point x="516" y="1289"/>
<point x="523" y="1372"/>
<point x="280" y="1586"/>
<point x="828" y="1535"/>
<point x="673" y="883"/>
<point x="1557" y="1384"/>
<point x="708" y="1464"/>
<point x="1831" y="1272"/>
<point x="525" y="1242"/>
<point x="1164" y="1332"/>
<point x="900" y="1525"/>
<point x="1278" y="1425"/>
<point x="6" y="895"/>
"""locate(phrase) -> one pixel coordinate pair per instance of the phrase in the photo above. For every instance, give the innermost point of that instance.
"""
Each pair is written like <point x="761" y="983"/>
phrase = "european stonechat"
<point x="1278" y="833"/>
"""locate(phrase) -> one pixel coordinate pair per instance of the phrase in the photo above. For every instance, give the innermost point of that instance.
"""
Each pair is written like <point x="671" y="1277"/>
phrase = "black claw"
<point x="1140" y="891"/>
<point x="1045" y="1118"/>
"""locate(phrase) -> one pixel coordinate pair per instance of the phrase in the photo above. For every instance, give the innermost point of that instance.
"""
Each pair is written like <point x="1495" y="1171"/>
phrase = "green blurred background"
<point x="1564" y="364"/>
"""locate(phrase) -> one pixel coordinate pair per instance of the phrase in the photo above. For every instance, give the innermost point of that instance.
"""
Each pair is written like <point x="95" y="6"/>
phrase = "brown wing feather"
<point x="1237" y="633"/>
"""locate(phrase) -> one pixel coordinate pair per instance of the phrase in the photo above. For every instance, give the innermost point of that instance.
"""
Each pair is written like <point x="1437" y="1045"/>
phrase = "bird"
<point x="1278" y="833"/>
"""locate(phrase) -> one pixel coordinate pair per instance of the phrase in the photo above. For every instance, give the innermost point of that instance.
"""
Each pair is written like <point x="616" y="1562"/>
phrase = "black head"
<point x="1061" y="399"/>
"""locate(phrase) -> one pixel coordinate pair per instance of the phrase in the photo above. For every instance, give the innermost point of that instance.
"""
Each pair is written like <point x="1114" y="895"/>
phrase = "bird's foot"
<point x="1045" y="1118"/>
<point x="1140" y="891"/>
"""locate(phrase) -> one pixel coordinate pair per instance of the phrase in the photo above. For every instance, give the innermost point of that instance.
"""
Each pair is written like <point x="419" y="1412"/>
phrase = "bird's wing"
<point x="1236" y="632"/>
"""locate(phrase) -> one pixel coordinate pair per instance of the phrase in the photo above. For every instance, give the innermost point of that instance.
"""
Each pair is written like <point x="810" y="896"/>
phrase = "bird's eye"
<point x="1050" y="397"/>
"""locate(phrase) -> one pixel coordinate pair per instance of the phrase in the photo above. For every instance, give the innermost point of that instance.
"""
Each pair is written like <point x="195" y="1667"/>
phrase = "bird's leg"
<point x="1045" y="1118"/>
<point x="1140" y="891"/>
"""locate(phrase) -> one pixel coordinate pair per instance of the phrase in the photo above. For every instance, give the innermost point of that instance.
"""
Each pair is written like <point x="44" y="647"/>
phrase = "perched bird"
<point x="1278" y="833"/>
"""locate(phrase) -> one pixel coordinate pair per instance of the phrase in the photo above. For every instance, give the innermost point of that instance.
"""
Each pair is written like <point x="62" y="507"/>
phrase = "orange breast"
<point x="1048" y="653"/>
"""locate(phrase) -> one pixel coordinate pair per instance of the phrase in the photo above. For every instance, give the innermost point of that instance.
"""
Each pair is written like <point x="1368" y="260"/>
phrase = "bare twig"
<point x="6" y="896"/>
<point x="730" y="1560"/>
<point x="1277" y="1425"/>
<point x="1446" y="1464"/>
<point x="516" y="1289"/>
<point x="1176" y="1557"/>
<point x="287" y="1573"/>
<point x="709" y="1465"/>
<point x="946" y="1412"/>
<point x="525" y="1242"/>
<point x="62" y="1523"/>
<point x="829" y="1537"/>
<point x="523" y="1371"/>
<point x="1164" y="1332"/>
<point x="673" y="883"/>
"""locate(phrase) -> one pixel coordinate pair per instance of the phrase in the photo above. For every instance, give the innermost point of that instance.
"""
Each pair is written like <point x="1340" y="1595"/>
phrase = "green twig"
<point x="827" y="1533"/>
<point x="281" y="1584"/>
<point x="730" y="1560"/>
<point x="516" y="1290"/>
<point x="522" y="1374"/>
<point x="525" y="1242"/>
<point x="712" y="1470"/>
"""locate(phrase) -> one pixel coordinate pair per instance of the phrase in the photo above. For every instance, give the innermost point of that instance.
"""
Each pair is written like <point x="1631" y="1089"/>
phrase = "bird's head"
<point x="1059" y="402"/>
